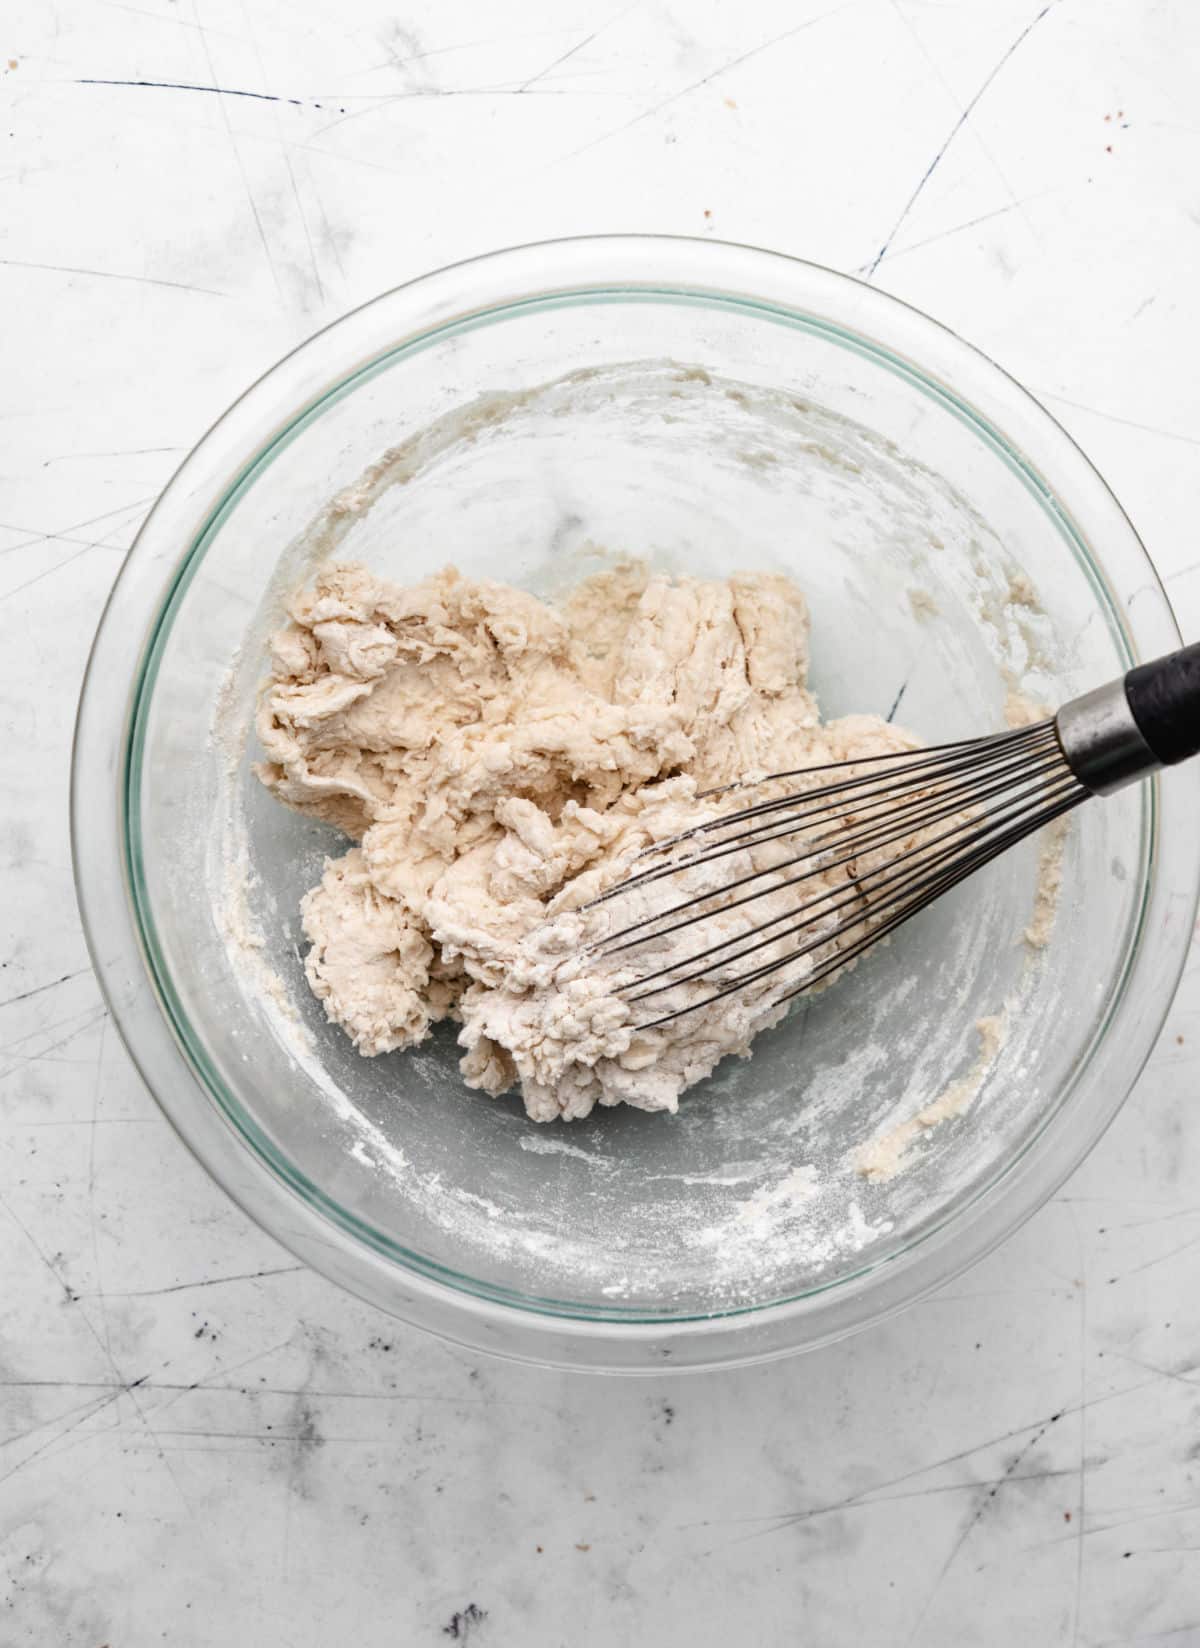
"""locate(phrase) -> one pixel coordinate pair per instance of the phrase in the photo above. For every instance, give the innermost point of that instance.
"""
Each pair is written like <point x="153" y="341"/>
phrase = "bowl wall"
<point x="704" y="427"/>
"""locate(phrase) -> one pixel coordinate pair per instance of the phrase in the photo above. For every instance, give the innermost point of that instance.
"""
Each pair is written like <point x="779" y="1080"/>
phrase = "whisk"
<point x="922" y="820"/>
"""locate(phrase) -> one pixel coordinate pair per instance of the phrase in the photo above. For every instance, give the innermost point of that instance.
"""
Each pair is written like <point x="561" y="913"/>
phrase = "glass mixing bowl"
<point x="707" y="407"/>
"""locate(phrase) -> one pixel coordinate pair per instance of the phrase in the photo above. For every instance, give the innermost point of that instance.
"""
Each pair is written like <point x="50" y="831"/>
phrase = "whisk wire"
<point x="908" y="869"/>
<point x="874" y="800"/>
<point x="959" y="870"/>
<point x="895" y="812"/>
<point x="905" y="826"/>
<point x="945" y="759"/>
<point x="910" y="817"/>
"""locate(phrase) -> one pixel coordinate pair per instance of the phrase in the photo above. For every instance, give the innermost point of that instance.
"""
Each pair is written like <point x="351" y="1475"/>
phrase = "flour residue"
<point x="884" y="1156"/>
<point x="1049" y="883"/>
<point x="537" y="1144"/>
<point x="243" y="932"/>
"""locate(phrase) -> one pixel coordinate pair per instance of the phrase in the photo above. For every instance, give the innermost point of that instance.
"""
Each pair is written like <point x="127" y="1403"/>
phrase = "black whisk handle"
<point x="1120" y="732"/>
<point x="1164" y="698"/>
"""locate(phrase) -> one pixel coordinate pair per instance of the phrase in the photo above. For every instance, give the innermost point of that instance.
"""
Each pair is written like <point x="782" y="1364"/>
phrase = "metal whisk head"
<point x="836" y="857"/>
<point x="900" y="828"/>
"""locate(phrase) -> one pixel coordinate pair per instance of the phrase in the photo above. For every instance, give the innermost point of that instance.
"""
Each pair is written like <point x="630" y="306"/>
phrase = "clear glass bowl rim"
<point x="232" y="452"/>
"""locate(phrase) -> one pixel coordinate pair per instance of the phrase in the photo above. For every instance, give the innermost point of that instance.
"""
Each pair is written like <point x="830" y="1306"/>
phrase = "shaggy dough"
<point x="498" y="763"/>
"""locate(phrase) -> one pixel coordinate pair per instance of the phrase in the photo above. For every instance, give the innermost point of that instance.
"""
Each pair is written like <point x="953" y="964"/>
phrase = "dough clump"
<point x="498" y="762"/>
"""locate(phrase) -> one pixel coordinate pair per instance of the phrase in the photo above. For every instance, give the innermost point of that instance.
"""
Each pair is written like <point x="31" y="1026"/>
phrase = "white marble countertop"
<point x="200" y="1441"/>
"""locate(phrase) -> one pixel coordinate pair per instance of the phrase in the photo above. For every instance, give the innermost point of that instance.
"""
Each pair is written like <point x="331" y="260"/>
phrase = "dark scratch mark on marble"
<point x="23" y="1060"/>
<point x="205" y="1384"/>
<point x="70" y="1297"/>
<point x="707" y="79"/>
<point x="128" y="452"/>
<point x="209" y="1281"/>
<point x="86" y="1121"/>
<point x="291" y="170"/>
<point x="781" y="1521"/>
<point x="394" y="62"/>
<point x="1179" y="1509"/>
<point x="90" y="1410"/>
<point x="97" y="1081"/>
<point x="241" y="165"/>
<point x="78" y="1413"/>
<point x="166" y="17"/>
<point x="871" y="1498"/>
<point x="785" y="1521"/>
<point x="55" y="538"/>
<point x="981" y="1510"/>
<point x="1127" y="423"/>
<point x="216" y="91"/>
<point x="955" y="229"/>
<point x="87" y="1014"/>
<point x="308" y="239"/>
<point x="1077" y="1606"/>
<point x="48" y="572"/>
<point x="40" y="989"/>
<point x="110" y="274"/>
<point x="572" y="51"/>
<point x="1179" y="1375"/>
<point x="949" y="89"/>
<point x="953" y="133"/>
<point x="1162" y="1218"/>
<point x="427" y="92"/>
<point x="1159" y="1259"/>
<point x="36" y="537"/>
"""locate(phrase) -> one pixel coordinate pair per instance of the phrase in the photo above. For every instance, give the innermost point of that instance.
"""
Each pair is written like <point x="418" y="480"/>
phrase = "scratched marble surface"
<point x="200" y="1441"/>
